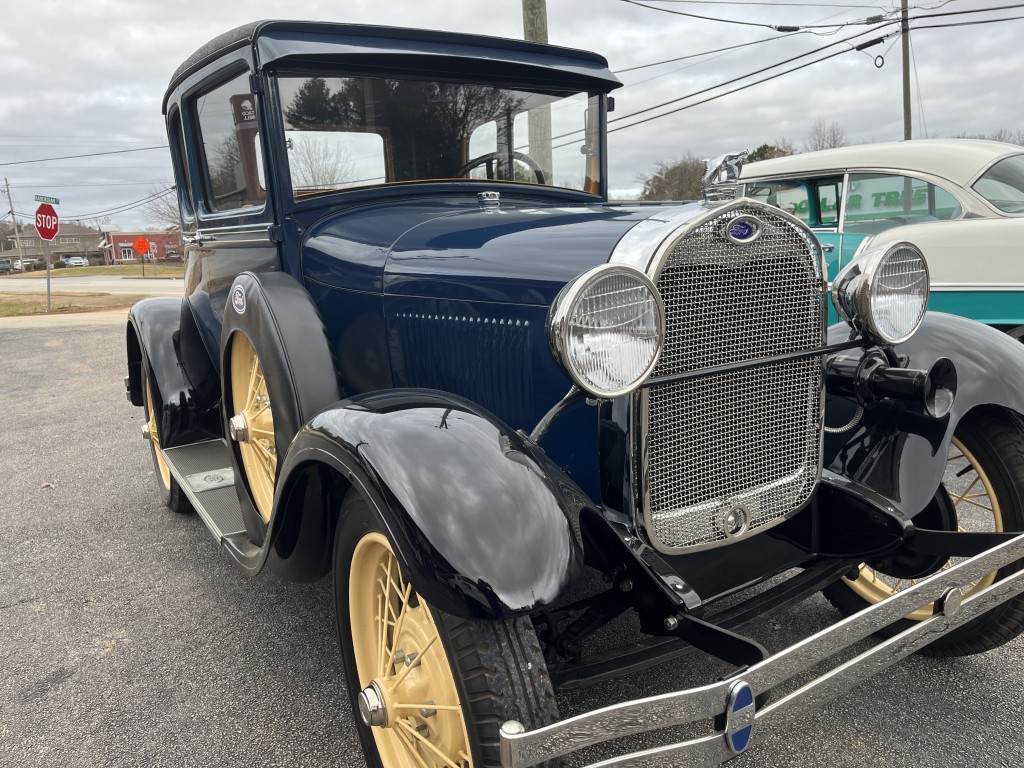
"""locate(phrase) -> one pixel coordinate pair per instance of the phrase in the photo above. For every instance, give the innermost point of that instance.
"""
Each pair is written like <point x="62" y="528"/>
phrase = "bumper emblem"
<point x="739" y="717"/>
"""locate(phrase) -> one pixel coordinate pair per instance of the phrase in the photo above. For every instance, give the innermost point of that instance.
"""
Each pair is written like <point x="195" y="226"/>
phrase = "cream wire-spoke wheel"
<point x="252" y="426"/>
<point x="984" y="481"/>
<point x="428" y="688"/>
<point x="977" y="510"/>
<point x="417" y="720"/>
<point x="170" y="492"/>
<point x="153" y="431"/>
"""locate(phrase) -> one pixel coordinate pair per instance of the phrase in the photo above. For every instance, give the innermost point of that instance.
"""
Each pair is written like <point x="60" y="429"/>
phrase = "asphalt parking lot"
<point x="128" y="639"/>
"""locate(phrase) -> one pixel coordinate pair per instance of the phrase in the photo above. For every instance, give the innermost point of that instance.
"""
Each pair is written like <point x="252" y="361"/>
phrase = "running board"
<point x="204" y="473"/>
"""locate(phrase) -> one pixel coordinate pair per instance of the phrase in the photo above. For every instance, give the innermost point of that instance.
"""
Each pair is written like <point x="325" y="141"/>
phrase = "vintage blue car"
<point x="420" y="353"/>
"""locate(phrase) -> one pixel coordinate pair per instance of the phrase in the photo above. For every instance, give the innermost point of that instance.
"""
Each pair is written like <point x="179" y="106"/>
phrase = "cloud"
<point x="88" y="77"/>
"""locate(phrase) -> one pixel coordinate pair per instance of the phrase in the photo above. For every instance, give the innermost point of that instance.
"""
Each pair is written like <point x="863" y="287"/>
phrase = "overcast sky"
<point x="87" y="76"/>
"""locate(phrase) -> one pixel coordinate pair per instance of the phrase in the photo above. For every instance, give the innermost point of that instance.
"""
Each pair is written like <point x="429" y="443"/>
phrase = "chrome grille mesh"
<point x="747" y="439"/>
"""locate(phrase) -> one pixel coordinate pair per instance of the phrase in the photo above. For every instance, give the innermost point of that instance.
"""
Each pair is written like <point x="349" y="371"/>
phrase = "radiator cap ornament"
<point x="743" y="230"/>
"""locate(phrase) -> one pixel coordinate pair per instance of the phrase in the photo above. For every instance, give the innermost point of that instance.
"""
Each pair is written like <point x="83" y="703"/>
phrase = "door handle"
<point x="198" y="238"/>
<point x="827" y="247"/>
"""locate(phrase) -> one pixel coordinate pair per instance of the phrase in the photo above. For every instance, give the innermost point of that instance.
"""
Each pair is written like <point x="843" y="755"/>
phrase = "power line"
<point x="773" y="4"/>
<point x="871" y="20"/>
<point x="860" y="47"/>
<point x="749" y="85"/>
<point x="749" y="74"/>
<point x="91" y="154"/>
<point x="705" y="53"/>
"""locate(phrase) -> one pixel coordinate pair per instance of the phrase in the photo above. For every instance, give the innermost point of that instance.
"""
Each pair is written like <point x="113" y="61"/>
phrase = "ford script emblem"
<point x="238" y="300"/>
<point x="739" y="717"/>
<point x="743" y="230"/>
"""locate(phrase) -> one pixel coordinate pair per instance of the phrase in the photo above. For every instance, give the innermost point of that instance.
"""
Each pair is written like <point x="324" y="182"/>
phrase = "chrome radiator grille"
<point x="731" y="452"/>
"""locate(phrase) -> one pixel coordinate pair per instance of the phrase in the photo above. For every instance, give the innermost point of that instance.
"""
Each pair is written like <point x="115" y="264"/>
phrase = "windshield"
<point x="348" y="132"/>
<point x="1003" y="184"/>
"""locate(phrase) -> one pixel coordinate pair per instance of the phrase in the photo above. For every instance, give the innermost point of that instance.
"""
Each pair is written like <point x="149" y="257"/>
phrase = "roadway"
<point x="129" y="639"/>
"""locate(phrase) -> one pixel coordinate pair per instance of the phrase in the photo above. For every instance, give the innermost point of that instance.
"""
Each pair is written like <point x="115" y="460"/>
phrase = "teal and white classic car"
<point x="960" y="200"/>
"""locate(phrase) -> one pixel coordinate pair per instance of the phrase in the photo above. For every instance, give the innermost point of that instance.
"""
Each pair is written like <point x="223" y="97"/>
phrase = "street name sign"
<point x="45" y="199"/>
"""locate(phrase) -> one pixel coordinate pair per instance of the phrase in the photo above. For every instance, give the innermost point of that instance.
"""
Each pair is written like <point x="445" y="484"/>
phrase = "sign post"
<point x="141" y="247"/>
<point x="46" y="226"/>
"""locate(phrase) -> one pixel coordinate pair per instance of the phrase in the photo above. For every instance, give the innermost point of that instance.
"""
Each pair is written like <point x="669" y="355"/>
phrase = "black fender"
<point x="279" y="318"/>
<point x="480" y="517"/>
<point x="901" y="454"/>
<point x="153" y="335"/>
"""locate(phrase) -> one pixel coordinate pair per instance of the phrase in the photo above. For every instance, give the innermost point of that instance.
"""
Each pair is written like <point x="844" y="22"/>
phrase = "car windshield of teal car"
<point x="1003" y="184"/>
<point x="349" y="132"/>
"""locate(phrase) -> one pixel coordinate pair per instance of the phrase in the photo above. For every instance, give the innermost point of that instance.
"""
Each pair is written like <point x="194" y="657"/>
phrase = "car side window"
<point x="228" y="132"/>
<point x="829" y="193"/>
<point x="878" y="201"/>
<point x="1003" y="184"/>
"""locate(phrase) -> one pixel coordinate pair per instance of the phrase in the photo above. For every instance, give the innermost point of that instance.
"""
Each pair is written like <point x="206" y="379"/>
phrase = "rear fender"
<point x="479" y="516"/>
<point x="153" y="336"/>
<point x="901" y="454"/>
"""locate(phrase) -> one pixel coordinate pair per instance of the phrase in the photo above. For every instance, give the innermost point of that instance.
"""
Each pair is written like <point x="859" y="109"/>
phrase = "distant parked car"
<point x="76" y="261"/>
<point x="960" y="200"/>
<point x="24" y="264"/>
<point x="6" y="267"/>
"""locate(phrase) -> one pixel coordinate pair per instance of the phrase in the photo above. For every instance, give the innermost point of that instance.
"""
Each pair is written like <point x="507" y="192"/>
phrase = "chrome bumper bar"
<point x="521" y="748"/>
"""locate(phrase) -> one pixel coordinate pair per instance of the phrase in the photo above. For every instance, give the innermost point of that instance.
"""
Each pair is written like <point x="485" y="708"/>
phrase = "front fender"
<point x="479" y="516"/>
<point x="901" y="454"/>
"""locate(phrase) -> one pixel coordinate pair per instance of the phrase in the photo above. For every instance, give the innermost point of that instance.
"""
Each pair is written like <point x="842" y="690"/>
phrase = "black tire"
<point x="498" y="666"/>
<point x="170" y="492"/>
<point x="995" y="439"/>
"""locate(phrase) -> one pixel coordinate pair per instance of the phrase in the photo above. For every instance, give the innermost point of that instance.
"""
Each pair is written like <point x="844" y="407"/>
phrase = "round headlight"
<point x="607" y="328"/>
<point x="884" y="292"/>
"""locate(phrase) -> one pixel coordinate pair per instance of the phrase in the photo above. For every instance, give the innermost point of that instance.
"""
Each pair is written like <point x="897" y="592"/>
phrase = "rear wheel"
<point x="428" y="689"/>
<point x="984" y="480"/>
<point x="170" y="492"/>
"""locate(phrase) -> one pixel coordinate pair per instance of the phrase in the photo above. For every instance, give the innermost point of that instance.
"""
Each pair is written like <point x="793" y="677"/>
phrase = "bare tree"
<point x="781" y="148"/>
<point x="318" y="163"/>
<point x="1003" y="134"/>
<point x="674" y="179"/>
<point x="826" y="136"/>
<point x="162" y="211"/>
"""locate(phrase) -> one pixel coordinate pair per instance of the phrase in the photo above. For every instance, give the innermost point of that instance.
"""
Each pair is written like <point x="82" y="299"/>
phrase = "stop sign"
<point x="46" y="221"/>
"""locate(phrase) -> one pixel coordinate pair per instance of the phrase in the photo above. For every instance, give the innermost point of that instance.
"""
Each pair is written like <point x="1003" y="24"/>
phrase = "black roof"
<point x="317" y="36"/>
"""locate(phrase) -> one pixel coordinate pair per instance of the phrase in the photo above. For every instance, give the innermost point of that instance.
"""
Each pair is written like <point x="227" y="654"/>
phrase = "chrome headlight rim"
<point x="559" y="326"/>
<point x="854" y="289"/>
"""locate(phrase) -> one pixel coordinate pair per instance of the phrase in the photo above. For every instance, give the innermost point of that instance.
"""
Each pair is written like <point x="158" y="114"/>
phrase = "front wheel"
<point x="984" y="480"/>
<point x="427" y="688"/>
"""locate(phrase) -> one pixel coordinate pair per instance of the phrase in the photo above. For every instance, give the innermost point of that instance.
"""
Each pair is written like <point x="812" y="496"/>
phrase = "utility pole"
<point x="535" y="28"/>
<point x="905" y="35"/>
<point x="17" y="239"/>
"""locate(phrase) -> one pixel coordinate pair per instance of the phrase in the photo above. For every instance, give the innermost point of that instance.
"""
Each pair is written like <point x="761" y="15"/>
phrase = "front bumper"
<point x="520" y="748"/>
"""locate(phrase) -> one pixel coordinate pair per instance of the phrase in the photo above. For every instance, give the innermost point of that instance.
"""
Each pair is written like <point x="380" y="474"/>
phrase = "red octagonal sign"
<point x="46" y="221"/>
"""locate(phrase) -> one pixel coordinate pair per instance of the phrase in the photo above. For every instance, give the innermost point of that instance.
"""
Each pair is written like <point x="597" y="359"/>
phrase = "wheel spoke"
<point x="438" y="707"/>
<point x="958" y="499"/>
<point x="410" y="747"/>
<point x="982" y="506"/>
<point x="426" y="743"/>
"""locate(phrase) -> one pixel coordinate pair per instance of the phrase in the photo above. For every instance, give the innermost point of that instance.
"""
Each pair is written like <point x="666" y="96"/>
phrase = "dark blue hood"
<point x="451" y="250"/>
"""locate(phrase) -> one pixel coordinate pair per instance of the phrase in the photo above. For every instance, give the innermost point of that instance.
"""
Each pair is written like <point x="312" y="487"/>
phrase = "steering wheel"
<point x="490" y="158"/>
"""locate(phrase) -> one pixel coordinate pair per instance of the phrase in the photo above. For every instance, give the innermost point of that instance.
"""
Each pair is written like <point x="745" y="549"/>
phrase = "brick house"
<point x="118" y="246"/>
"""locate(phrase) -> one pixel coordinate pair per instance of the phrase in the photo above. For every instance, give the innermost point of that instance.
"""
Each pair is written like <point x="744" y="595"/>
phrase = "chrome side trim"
<point x="519" y="750"/>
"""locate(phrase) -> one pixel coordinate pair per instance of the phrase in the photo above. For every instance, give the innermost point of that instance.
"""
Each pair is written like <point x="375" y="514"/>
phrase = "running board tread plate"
<point x="203" y="470"/>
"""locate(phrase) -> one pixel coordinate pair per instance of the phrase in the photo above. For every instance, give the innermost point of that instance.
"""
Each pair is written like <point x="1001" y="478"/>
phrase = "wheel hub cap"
<point x="239" y="428"/>
<point x="371" y="706"/>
